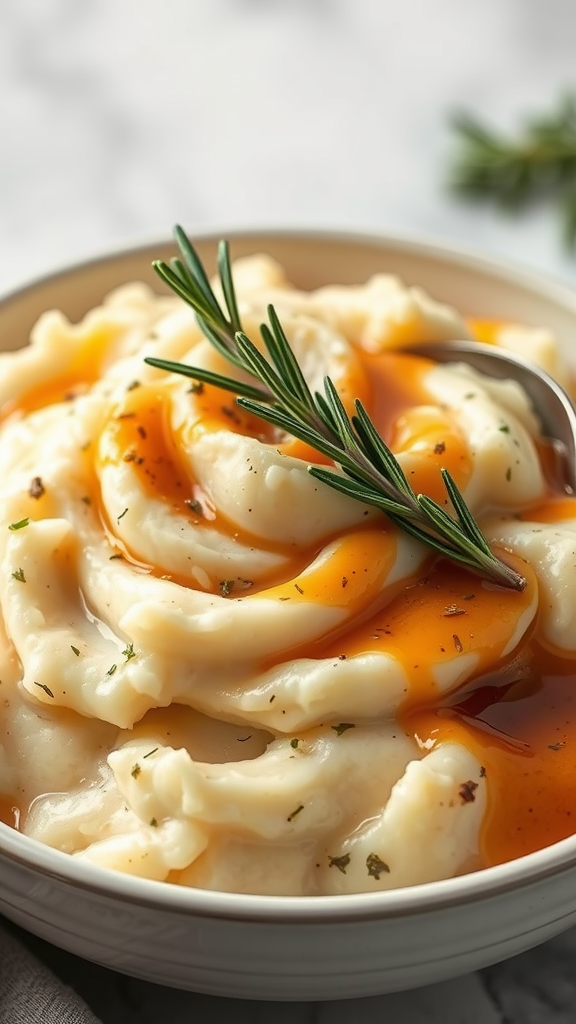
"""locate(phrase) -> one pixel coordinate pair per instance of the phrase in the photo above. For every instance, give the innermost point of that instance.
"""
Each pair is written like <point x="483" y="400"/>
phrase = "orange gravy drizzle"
<point x="486" y="330"/>
<point x="138" y="435"/>
<point x="82" y="370"/>
<point x="63" y="389"/>
<point x="445" y="613"/>
<point x="556" y="509"/>
<point x="524" y="735"/>
<point x="520" y="720"/>
<point x="9" y="811"/>
<point x="352" y="577"/>
<point x="141" y="434"/>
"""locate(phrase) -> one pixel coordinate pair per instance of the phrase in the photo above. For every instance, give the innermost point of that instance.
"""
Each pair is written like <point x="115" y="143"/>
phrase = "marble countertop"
<point x="118" y="119"/>
<point x="537" y="987"/>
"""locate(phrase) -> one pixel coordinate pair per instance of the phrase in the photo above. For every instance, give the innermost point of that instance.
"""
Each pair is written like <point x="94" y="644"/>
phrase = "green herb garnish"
<point x="296" y="811"/>
<point x="278" y="393"/>
<point x="18" y="574"/>
<point x="339" y="862"/>
<point x="46" y="689"/>
<point x="19" y="525"/>
<point x="376" y="866"/>
<point x="342" y="727"/>
<point x="513" y="172"/>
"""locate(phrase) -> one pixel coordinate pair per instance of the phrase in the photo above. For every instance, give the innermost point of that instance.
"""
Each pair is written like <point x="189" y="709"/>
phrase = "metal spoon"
<point x="551" y="403"/>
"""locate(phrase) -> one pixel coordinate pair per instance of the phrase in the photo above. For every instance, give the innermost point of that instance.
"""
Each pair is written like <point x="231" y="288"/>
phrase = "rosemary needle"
<point x="274" y="389"/>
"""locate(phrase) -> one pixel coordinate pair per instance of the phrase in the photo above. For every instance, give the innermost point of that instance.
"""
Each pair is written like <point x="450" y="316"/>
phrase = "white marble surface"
<point x="119" y="117"/>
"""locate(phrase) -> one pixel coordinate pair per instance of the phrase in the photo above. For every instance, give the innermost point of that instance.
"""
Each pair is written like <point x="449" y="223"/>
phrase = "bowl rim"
<point x="528" y="870"/>
<point x="438" y="247"/>
<point x="392" y="904"/>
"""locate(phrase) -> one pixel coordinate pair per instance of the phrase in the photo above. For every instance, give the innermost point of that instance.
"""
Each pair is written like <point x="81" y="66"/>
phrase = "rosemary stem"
<point x="369" y="471"/>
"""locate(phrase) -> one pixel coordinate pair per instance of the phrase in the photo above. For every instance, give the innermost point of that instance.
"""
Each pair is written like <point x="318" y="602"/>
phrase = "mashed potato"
<point x="219" y="672"/>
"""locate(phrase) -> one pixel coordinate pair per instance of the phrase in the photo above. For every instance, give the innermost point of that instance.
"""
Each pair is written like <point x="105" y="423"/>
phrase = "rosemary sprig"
<point x="273" y="388"/>
<point x="513" y="172"/>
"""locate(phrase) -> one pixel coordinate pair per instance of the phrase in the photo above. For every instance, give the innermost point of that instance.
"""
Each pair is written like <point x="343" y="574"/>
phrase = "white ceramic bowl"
<point x="284" y="947"/>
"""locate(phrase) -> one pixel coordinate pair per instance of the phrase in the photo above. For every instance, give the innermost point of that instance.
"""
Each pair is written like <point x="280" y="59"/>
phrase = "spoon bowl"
<point x="551" y="404"/>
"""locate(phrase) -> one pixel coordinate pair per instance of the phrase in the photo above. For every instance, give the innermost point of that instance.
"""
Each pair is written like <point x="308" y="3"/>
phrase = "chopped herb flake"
<point x="121" y="516"/>
<point x="339" y="862"/>
<point x="556" y="746"/>
<point x="342" y="727"/>
<point x="225" y="587"/>
<point x="19" y="525"/>
<point x="18" y="574"/>
<point x="76" y="651"/>
<point x="376" y="866"/>
<point x="195" y="505"/>
<point x="129" y="652"/>
<point x="231" y="413"/>
<point x="154" y="822"/>
<point x="150" y="752"/>
<point x="295" y="812"/>
<point x="453" y="609"/>
<point x="36" y="489"/>
<point x="299" y="589"/>
<point x="45" y="688"/>
<point x="457" y="643"/>
<point x="114" y="557"/>
<point x="439" y="447"/>
<point x="294" y="743"/>
<point x="466" y="792"/>
<point x="111" y="670"/>
<point x="509" y="474"/>
<point x="136" y="769"/>
<point x="504" y="429"/>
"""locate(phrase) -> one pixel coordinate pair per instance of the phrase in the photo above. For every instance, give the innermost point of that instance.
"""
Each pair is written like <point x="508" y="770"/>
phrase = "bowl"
<point x="288" y="948"/>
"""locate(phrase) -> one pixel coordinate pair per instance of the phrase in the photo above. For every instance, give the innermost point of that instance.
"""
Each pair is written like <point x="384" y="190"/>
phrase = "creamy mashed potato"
<point x="219" y="672"/>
